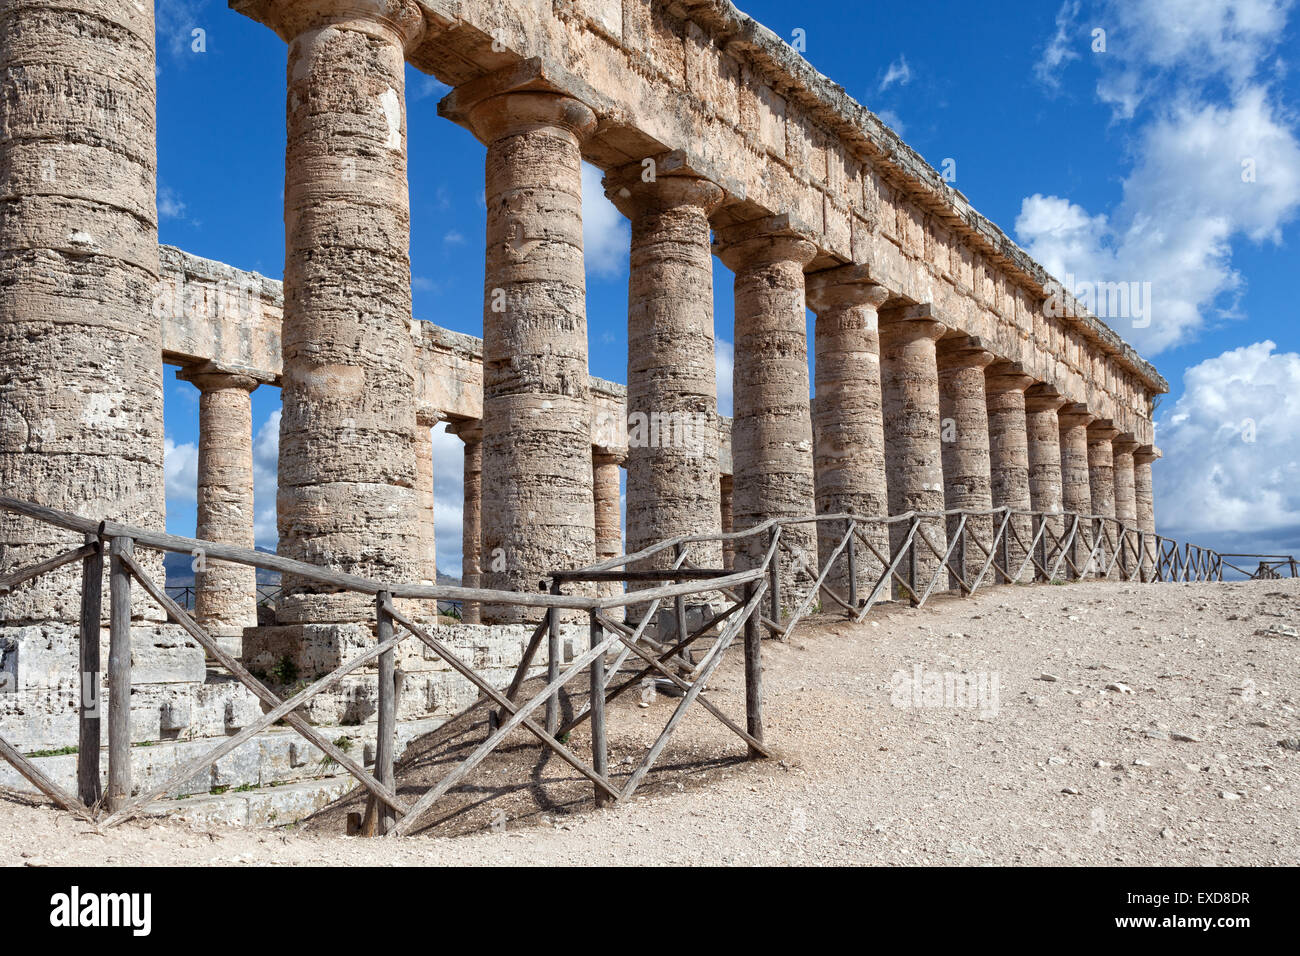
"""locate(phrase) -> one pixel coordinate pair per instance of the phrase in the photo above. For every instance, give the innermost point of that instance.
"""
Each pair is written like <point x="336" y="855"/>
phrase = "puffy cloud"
<point x="1230" y="477"/>
<point x="606" y="234"/>
<point x="181" y="471"/>
<point x="448" y="498"/>
<point x="266" y="469"/>
<point x="1060" y="49"/>
<point x="1207" y="174"/>
<point x="723" y="359"/>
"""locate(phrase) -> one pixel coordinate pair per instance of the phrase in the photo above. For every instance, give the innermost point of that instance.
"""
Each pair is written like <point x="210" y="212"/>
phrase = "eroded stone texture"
<point x="471" y="433"/>
<point x="537" y="505"/>
<point x="672" y="456"/>
<point x="425" y="497"/>
<point x="1123" y="447"/>
<point x="1009" y="456"/>
<point x="728" y="547"/>
<point x="909" y="385"/>
<point x="609" y="531"/>
<point x="771" y="431"/>
<point x="848" y="427"/>
<point x="1101" y="479"/>
<point x="1145" y="502"/>
<point x="347" y="456"/>
<point x="81" y="386"/>
<point x="1076" y="487"/>
<point x="964" y="430"/>
<point x="225" y="594"/>
<point x="1043" y="426"/>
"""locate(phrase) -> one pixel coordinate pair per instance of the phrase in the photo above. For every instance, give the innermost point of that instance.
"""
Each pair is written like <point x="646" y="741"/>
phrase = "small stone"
<point x="1184" y="738"/>
<point x="1229" y="795"/>
<point x="1167" y="834"/>
<point x="1141" y="763"/>
<point x="1074" y="791"/>
<point x="1103" y="764"/>
<point x="1119" y="688"/>
<point x="1290" y="743"/>
<point x="1052" y="678"/>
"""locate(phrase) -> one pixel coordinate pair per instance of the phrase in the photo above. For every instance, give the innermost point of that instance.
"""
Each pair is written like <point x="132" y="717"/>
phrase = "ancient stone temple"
<point x="947" y="374"/>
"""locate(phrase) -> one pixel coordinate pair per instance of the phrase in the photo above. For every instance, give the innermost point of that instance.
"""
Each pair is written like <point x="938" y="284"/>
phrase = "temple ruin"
<point x="945" y="376"/>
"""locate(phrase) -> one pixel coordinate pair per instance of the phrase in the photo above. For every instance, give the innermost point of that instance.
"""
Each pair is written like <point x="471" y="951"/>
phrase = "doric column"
<point x="964" y="432"/>
<point x="347" y="452"/>
<point x="909" y="386"/>
<point x="1101" y="479"/>
<point x="606" y="465"/>
<point x="1076" y="488"/>
<point x="672" y="456"/>
<point x="225" y="596"/>
<point x="81" y="381"/>
<point x="424" y="496"/>
<point x="1046" y="496"/>
<point x="771" y="432"/>
<point x="471" y="529"/>
<point x="1005" y="383"/>
<point x="848" y="426"/>
<point x="1145" y="501"/>
<point x="1122" y="448"/>
<point x="537" y="507"/>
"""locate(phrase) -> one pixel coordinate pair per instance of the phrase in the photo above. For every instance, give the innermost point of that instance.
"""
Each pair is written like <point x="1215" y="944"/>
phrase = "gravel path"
<point x="1107" y="723"/>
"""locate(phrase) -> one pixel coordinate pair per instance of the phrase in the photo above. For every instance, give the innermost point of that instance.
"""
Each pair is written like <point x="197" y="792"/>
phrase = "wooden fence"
<point x="779" y="586"/>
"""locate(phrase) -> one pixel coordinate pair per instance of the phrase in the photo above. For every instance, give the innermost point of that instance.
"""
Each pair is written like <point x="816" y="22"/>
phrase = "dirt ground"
<point x="1104" y="724"/>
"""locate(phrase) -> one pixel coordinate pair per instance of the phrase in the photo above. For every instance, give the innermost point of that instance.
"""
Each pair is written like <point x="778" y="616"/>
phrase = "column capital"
<point x="1043" y="398"/>
<point x="211" y="377"/>
<point x="469" y="430"/>
<point x="844" y="287"/>
<point x="427" y="417"/>
<point x="911" y="322"/>
<point x="673" y="183"/>
<point x="963" y="351"/>
<point x="762" y="242"/>
<point x="1126" y="443"/>
<point x="1102" y="430"/>
<point x="523" y="97"/>
<point x="1146" y="454"/>
<point x="1005" y="376"/>
<point x="1075" y="415"/>
<point x="604" y="455"/>
<point x="401" y="18"/>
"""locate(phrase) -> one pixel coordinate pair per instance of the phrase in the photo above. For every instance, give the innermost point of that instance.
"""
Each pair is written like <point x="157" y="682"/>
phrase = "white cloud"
<point x="448" y="498"/>
<point x="898" y="73"/>
<point x="181" y="471"/>
<point x="1230" y="477"/>
<point x="170" y="205"/>
<point x="1060" y="49"/>
<point x="266" y="469"/>
<point x="606" y="235"/>
<point x="723" y="358"/>
<point x="893" y="121"/>
<point x="1183" y="204"/>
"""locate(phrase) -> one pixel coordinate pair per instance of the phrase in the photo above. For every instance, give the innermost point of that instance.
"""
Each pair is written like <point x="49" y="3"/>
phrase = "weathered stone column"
<point x="609" y="530"/>
<point x="672" y="402"/>
<point x="537" y="506"/>
<point x="964" y="432"/>
<point x="471" y="528"/>
<point x="1122" y="447"/>
<point x="909" y="385"/>
<point x="1009" y="457"/>
<point x="425" y="497"/>
<point x="1042" y="406"/>
<point x="724" y="493"/>
<point x="1101" y="479"/>
<point x="225" y="595"/>
<point x="771" y="432"/>
<point x="347" y="451"/>
<point x="81" y="380"/>
<point x="1145" y="501"/>
<point x="848" y="425"/>
<point x="1076" y="488"/>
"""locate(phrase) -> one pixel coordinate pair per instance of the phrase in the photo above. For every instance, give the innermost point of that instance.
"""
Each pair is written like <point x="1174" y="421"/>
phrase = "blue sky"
<point x="1117" y="164"/>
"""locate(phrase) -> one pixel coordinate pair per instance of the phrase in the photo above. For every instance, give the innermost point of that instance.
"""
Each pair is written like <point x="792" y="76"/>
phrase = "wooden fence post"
<point x="385" y="733"/>
<point x="553" y="662"/>
<point x="774" y="576"/>
<point x="119" y="675"/>
<point x="753" y="674"/>
<point x="599" y="748"/>
<point x="853" y="563"/>
<point x="89" y="788"/>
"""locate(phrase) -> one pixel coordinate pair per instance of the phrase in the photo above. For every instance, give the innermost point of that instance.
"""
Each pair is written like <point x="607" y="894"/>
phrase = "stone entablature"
<point x="728" y="99"/>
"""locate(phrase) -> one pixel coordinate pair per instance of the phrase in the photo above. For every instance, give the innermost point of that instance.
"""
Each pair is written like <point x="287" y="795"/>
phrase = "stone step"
<point x="269" y="806"/>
